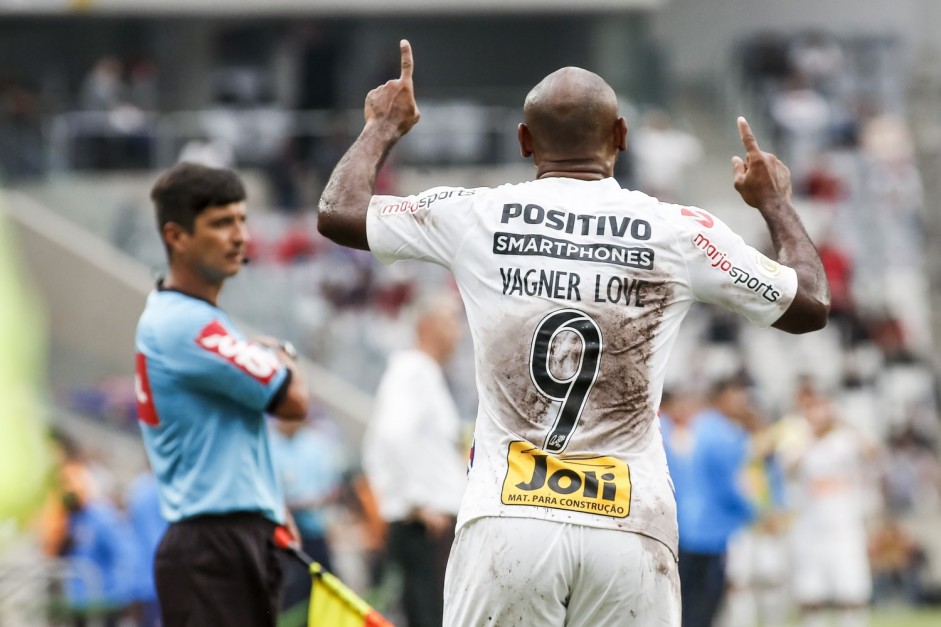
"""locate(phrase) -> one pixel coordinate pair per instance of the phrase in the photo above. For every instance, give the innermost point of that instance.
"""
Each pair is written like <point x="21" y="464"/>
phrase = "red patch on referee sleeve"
<point x="146" y="411"/>
<point x="252" y="359"/>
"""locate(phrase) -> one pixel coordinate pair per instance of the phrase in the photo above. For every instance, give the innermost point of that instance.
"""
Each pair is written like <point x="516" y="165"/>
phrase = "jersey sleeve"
<point x="429" y="226"/>
<point x="207" y="355"/>
<point x="726" y="271"/>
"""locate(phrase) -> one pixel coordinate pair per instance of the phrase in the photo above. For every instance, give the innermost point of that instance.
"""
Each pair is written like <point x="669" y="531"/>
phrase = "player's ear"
<point x="525" y="139"/>
<point x="173" y="235"/>
<point x="620" y="134"/>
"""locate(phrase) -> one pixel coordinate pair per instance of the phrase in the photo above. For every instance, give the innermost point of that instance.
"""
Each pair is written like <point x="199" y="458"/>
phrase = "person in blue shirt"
<point x="203" y="390"/>
<point x="310" y="465"/>
<point x="95" y="544"/>
<point x="149" y="525"/>
<point x="711" y="502"/>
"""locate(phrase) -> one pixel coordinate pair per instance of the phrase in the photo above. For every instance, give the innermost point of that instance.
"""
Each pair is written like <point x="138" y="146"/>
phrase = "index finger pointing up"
<point x="407" y="62"/>
<point x="748" y="138"/>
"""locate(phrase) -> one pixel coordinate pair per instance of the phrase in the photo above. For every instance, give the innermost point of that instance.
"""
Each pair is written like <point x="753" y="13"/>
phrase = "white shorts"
<point x="525" y="572"/>
<point x="831" y="568"/>
<point x="757" y="559"/>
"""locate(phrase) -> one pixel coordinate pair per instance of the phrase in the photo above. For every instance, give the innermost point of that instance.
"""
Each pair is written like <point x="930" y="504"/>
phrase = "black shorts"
<point x="219" y="571"/>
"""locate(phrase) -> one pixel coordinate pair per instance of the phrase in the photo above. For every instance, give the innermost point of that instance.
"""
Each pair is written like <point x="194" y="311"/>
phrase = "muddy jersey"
<point x="574" y="293"/>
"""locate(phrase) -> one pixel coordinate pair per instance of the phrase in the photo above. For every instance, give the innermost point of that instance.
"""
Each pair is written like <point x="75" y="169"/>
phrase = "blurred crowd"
<point x="789" y="513"/>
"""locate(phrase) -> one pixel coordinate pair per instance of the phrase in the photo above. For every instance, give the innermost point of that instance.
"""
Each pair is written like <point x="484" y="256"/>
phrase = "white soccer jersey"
<point x="829" y="481"/>
<point x="574" y="292"/>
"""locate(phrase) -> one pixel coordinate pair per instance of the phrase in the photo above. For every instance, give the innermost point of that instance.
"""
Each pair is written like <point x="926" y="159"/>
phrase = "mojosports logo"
<point x="252" y="359"/>
<point x="400" y="207"/>
<point x="405" y="205"/>
<point x="741" y="276"/>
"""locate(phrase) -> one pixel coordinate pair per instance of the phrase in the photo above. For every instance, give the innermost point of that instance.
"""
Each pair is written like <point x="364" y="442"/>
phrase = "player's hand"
<point x="760" y="178"/>
<point x="393" y="104"/>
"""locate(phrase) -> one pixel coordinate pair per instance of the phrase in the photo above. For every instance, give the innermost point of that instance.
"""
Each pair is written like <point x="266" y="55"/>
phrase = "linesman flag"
<point x="24" y="454"/>
<point x="332" y="603"/>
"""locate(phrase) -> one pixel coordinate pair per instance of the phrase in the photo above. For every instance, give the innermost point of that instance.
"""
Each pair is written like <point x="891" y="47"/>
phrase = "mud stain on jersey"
<point x="621" y="397"/>
<point x="523" y="410"/>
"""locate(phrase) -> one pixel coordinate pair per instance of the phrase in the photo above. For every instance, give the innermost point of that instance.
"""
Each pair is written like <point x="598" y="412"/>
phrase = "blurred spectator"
<point x="212" y="153"/>
<point x="103" y="87"/>
<point x="95" y="541"/>
<point x="818" y="56"/>
<point x="711" y="503"/>
<point x="22" y="149"/>
<point x="912" y="477"/>
<point x="662" y="156"/>
<point x="120" y="136"/>
<point x="830" y="562"/>
<point x="757" y="567"/>
<point x="413" y="460"/>
<point x="310" y="469"/>
<point x="898" y="562"/>
<point x="148" y="524"/>
<point x="802" y="119"/>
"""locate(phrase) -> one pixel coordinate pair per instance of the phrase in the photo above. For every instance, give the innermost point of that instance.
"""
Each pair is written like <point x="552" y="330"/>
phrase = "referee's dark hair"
<point x="187" y="189"/>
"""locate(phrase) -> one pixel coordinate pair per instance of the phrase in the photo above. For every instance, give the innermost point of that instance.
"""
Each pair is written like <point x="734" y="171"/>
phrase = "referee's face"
<point x="216" y="248"/>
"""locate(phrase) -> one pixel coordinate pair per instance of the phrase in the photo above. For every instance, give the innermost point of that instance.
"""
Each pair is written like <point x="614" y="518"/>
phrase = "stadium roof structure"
<point x="316" y="7"/>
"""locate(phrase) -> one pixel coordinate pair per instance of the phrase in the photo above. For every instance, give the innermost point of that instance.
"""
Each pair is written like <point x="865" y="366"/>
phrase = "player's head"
<point x="820" y="414"/>
<point x="572" y="116"/>
<point x="438" y="325"/>
<point x="732" y="397"/>
<point x="201" y="219"/>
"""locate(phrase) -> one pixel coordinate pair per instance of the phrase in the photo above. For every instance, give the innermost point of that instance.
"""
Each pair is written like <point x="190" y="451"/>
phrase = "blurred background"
<point x="98" y="96"/>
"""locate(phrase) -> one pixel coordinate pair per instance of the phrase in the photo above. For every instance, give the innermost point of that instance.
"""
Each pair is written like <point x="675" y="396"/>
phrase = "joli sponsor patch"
<point x="593" y="485"/>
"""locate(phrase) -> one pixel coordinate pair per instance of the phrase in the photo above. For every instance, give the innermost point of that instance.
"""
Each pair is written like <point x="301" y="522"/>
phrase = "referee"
<point x="203" y="390"/>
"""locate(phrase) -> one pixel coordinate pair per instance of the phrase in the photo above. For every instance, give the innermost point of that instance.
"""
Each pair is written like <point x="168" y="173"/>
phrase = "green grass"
<point x="906" y="618"/>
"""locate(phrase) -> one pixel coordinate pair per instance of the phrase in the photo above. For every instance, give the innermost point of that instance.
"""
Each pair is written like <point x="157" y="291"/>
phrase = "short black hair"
<point x="187" y="189"/>
<point x="734" y="382"/>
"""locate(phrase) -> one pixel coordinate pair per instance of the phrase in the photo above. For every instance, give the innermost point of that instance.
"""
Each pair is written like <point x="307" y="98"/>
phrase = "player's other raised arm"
<point x="765" y="183"/>
<point x="390" y="112"/>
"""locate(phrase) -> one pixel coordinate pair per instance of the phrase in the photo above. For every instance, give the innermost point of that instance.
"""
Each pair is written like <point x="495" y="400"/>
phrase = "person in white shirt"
<point x="413" y="458"/>
<point x="829" y="541"/>
<point x="574" y="291"/>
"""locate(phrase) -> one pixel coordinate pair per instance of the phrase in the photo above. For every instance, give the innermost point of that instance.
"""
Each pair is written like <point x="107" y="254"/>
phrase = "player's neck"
<point x="430" y="349"/>
<point x="184" y="280"/>
<point x="589" y="169"/>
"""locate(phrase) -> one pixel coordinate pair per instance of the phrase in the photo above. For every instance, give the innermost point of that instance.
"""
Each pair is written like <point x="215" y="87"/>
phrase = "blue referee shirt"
<point x="202" y="391"/>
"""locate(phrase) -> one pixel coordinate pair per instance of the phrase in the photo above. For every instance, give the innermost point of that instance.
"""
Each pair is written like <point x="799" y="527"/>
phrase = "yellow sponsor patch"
<point x="594" y="485"/>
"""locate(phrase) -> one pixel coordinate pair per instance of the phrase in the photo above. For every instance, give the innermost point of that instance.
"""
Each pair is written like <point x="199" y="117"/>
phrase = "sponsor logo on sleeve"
<point x="699" y="216"/>
<point x="250" y="358"/>
<point x="768" y="267"/>
<point x="414" y="204"/>
<point x="593" y="485"/>
<point x="740" y="276"/>
<point x="146" y="411"/>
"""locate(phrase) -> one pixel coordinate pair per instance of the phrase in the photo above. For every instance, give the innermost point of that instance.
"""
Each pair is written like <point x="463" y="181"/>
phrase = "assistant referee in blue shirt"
<point x="203" y="390"/>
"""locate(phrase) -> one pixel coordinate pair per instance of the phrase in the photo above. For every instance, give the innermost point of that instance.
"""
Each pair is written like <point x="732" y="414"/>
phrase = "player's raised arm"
<point x="390" y="112"/>
<point x="765" y="183"/>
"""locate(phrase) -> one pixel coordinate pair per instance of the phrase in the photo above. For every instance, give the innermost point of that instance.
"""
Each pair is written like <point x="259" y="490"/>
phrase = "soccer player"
<point x="831" y="564"/>
<point x="203" y="390"/>
<point x="574" y="291"/>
